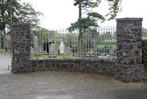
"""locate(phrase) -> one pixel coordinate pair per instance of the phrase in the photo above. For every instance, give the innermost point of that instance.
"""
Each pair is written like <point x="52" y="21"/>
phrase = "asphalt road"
<point x="65" y="85"/>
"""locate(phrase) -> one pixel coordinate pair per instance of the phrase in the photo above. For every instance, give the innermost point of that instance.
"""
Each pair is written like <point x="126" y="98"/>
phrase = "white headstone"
<point x="61" y="48"/>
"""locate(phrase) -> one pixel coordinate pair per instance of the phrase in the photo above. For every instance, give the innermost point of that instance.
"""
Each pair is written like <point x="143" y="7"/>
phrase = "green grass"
<point x="5" y="52"/>
<point x="102" y="46"/>
<point x="57" y="57"/>
<point x="109" y="41"/>
<point x="39" y="57"/>
<point x="65" y="56"/>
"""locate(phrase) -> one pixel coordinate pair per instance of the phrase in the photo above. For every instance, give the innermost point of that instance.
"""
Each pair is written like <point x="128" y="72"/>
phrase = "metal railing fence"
<point x="65" y="44"/>
<point x="5" y="52"/>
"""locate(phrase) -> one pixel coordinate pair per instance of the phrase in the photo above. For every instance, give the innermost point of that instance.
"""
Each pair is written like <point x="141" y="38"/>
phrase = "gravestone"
<point x="32" y="50"/>
<point x="53" y="51"/>
<point x="36" y="46"/>
<point x="61" y="48"/>
<point x="68" y="51"/>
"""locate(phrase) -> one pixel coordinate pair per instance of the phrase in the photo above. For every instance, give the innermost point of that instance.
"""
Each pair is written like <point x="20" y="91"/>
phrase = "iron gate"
<point x="5" y="52"/>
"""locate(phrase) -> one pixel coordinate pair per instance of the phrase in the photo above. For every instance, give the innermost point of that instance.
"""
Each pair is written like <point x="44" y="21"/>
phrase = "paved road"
<point x="64" y="85"/>
<point x="5" y="61"/>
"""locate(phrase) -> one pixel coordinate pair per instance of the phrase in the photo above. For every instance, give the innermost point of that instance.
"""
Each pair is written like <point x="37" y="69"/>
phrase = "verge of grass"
<point x="39" y="56"/>
<point x="57" y="57"/>
<point x="66" y="56"/>
<point x="5" y="52"/>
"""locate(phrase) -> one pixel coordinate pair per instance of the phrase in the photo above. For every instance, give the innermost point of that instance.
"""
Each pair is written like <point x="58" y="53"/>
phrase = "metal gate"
<point x="5" y="53"/>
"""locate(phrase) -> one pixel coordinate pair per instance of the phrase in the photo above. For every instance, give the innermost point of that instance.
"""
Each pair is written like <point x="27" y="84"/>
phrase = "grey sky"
<point x="61" y="13"/>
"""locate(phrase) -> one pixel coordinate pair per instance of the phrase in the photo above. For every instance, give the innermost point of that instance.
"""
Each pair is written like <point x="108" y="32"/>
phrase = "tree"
<point x="15" y="11"/>
<point x="86" y="4"/>
<point x="86" y="25"/>
<point x="28" y="14"/>
<point x="89" y="23"/>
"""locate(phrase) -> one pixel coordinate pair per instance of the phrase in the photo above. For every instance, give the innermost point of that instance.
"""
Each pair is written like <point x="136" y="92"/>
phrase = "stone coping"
<point x="129" y="19"/>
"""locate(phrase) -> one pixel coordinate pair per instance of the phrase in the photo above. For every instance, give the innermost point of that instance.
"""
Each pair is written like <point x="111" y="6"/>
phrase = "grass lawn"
<point x="39" y="57"/>
<point x="57" y="57"/>
<point x="5" y="52"/>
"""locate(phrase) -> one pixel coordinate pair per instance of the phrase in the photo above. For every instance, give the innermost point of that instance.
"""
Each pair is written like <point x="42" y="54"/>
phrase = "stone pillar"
<point x="21" y="43"/>
<point x="129" y="50"/>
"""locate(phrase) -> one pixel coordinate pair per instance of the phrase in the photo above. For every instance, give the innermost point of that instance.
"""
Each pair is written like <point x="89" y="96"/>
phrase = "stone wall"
<point x="129" y="50"/>
<point x="101" y="66"/>
<point x="128" y="66"/>
<point x="21" y="43"/>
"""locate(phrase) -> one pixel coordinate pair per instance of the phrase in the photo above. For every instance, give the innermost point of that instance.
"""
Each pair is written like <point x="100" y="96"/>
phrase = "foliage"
<point x="16" y="11"/>
<point x="114" y="9"/>
<point x="28" y="14"/>
<point x="88" y="24"/>
<point x="86" y="4"/>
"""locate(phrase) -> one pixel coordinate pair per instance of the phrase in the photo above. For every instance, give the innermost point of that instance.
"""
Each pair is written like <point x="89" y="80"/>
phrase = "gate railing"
<point x="5" y="51"/>
<point x="65" y="44"/>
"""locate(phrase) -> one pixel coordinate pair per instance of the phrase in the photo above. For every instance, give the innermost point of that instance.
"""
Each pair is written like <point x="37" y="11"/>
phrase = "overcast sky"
<point x="61" y="13"/>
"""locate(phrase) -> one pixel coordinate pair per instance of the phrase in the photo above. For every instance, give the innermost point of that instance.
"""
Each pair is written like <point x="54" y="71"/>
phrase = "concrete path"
<point x="64" y="85"/>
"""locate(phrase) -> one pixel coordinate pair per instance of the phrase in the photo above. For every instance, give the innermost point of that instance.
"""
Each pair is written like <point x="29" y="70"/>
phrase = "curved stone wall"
<point x="101" y="66"/>
<point x="127" y="67"/>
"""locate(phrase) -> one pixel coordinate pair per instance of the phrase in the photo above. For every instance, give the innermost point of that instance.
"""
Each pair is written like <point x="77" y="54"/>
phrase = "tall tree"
<point x="85" y="24"/>
<point x="15" y="11"/>
<point x="86" y="4"/>
<point x="28" y="14"/>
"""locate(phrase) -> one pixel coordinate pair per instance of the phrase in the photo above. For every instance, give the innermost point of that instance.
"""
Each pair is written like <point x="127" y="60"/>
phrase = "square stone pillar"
<point x="21" y="43"/>
<point x="129" y="66"/>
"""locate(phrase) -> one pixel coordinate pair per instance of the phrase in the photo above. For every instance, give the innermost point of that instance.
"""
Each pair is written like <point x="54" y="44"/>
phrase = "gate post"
<point x="129" y="50"/>
<point x="21" y="43"/>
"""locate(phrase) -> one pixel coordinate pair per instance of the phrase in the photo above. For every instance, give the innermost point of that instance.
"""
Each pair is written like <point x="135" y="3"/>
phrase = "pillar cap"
<point x="129" y="19"/>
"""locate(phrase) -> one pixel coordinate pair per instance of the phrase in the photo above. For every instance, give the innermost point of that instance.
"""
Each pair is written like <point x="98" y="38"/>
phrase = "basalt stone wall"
<point x="21" y="42"/>
<point x="129" y="65"/>
<point x="101" y="66"/>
